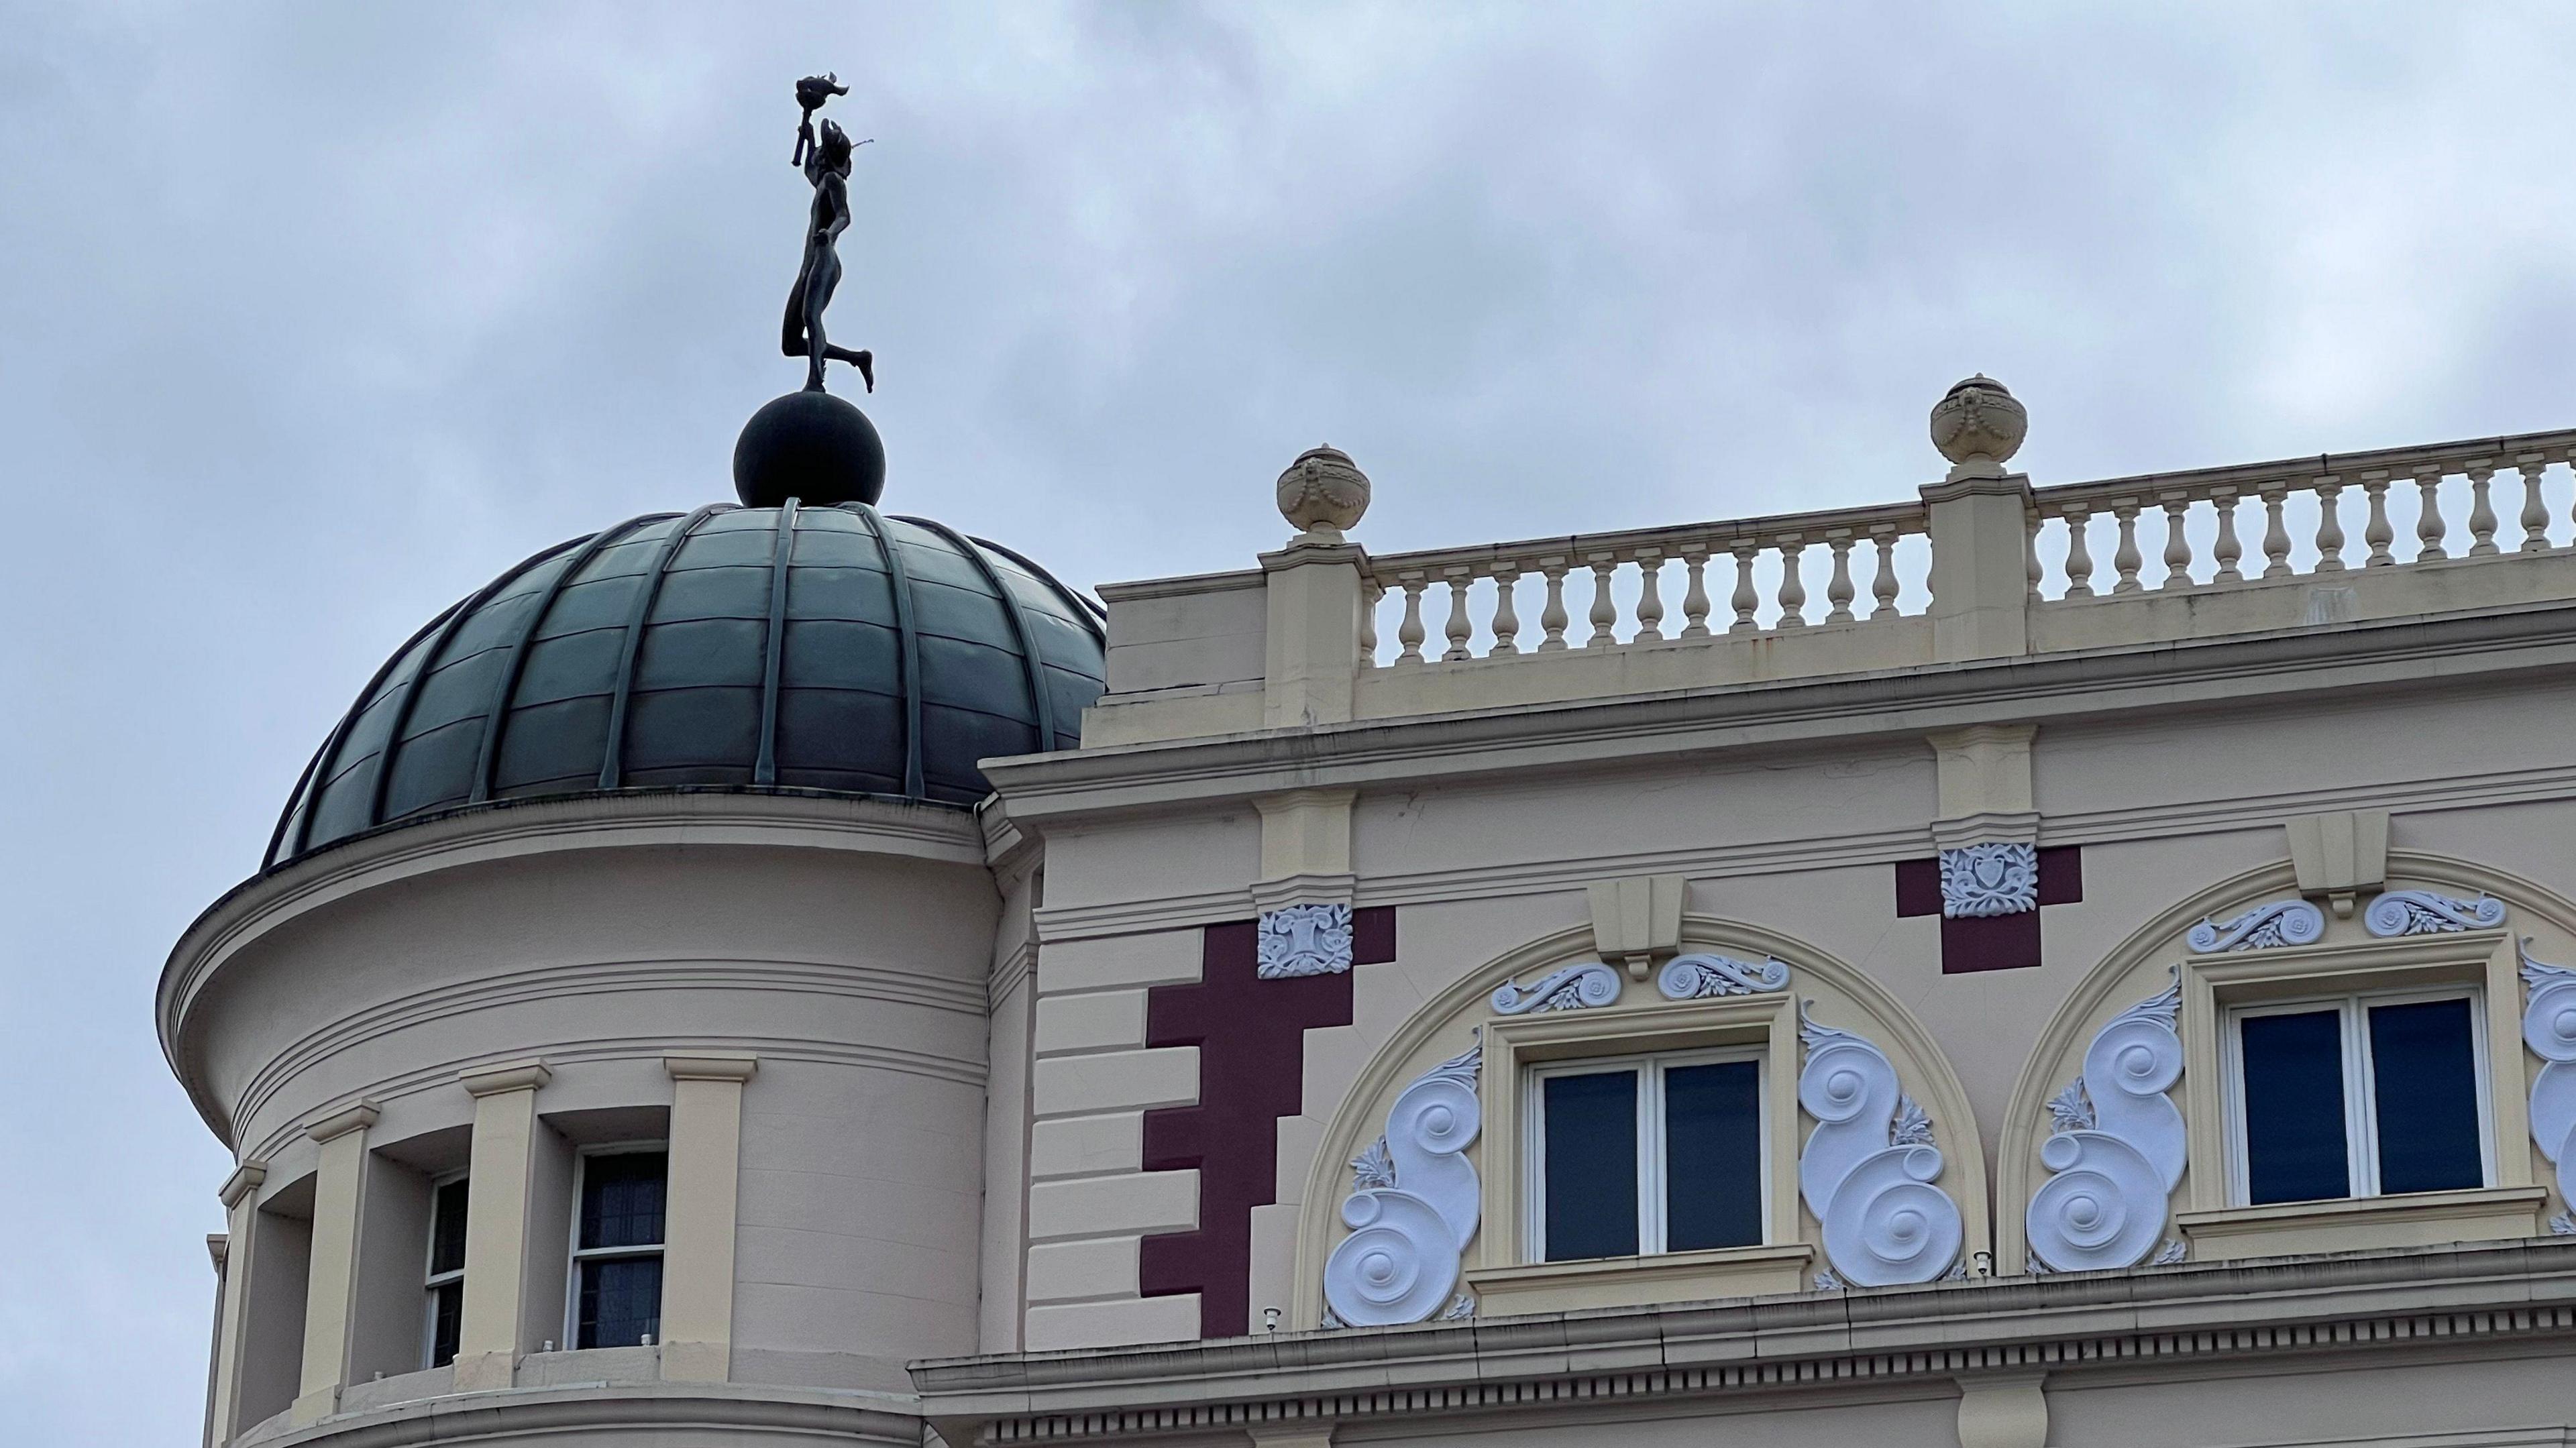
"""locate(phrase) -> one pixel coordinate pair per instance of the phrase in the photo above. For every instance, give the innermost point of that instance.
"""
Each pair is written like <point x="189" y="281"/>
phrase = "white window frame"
<point x="1652" y="1168"/>
<point x="430" y="1279"/>
<point x="579" y="1256"/>
<point x="2360" y="1096"/>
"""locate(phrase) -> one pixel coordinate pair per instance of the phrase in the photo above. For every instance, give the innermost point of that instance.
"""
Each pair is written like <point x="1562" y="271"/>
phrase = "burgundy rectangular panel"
<point x="1993" y="942"/>
<point x="1251" y="1035"/>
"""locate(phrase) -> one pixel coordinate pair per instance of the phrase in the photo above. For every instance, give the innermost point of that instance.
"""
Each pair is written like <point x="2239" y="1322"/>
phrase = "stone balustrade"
<point x="2306" y="515"/>
<point x="1980" y="565"/>
<point x="1620" y="581"/>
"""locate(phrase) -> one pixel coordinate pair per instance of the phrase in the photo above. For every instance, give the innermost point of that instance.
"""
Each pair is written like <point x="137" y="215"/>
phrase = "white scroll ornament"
<point x="2549" y="1029"/>
<point x="1689" y="977"/>
<point x="2119" y="1149"/>
<point x="1576" y="987"/>
<point x="2422" y="912"/>
<point x="1416" y="1207"/>
<point x="1868" y="1168"/>
<point x="2265" y="927"/>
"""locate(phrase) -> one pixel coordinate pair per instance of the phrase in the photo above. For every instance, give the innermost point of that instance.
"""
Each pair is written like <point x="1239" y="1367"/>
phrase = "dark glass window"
<point x="1591" y="1132"/>
<point x="2295" y="1147"/>
<point x="2423" y="1071"/>
<point x="446" y="1279"/>
<point x="1712" y="1156"/>
<point x="619" y="1299"/>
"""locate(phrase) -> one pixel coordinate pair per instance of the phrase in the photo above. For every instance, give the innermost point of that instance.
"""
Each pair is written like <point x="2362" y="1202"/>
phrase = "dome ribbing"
<point x="831" y="649"/>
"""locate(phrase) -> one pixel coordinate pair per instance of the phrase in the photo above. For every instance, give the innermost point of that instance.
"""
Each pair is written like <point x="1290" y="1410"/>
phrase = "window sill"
<point x="1640" y="1281"/>
<point x="2419" y="1219"/>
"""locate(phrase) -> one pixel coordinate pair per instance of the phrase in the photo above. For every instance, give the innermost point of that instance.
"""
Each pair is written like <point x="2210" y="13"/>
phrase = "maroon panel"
<point x="1994" y="942"/>
<point x="1918" y="887"/>
<point x="2061" y="875"/>
<point x="1989" y="942"/>
<point x="1251" y="1035"/>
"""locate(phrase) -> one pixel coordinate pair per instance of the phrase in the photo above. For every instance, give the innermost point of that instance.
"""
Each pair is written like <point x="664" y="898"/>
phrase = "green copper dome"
<point x="789" y="648"/>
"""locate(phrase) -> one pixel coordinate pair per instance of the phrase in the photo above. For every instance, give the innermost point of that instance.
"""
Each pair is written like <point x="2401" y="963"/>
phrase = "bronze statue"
<point x="827" y="169"/>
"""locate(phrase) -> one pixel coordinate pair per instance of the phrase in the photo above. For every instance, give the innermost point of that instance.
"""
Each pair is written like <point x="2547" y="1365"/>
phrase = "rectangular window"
<point x="617" y="1249"/>
<point x="2359" y="1096"/>
<point x="445" y="1281"/>
<point x="1646" y="1154"/>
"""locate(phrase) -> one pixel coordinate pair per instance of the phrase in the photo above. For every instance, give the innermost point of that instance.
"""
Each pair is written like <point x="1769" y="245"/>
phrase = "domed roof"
<point x="789" y="648"/>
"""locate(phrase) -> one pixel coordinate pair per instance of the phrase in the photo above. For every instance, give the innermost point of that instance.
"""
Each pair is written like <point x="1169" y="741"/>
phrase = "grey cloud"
<point x="313" y="317"/>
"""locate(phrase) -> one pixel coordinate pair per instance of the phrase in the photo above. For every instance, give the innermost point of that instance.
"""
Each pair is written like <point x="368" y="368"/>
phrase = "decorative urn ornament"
<point x="1322" y="493"/>
<point x="1978" y="427"/>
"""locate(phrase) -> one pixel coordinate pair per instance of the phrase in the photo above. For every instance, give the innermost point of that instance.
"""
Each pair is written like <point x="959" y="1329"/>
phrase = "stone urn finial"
<point x="1978" y="427"/>
<point x="1322" y="493"/>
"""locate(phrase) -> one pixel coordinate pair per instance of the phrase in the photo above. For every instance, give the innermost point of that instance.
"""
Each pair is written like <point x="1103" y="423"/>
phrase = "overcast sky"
<point x="314" y="318"/>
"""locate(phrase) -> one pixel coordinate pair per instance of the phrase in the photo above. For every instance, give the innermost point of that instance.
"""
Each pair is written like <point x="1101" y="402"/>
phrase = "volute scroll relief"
<point x="1868" y="1169"/>
<point x="2549" y="1029"/>
<point x="2119" y="1148"/>
<point x="1414" y="1206"/>
<point x="2268" y="926"/>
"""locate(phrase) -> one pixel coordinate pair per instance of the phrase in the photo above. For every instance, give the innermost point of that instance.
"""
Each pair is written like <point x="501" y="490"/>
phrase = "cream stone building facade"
<point x="1872" y="975"/>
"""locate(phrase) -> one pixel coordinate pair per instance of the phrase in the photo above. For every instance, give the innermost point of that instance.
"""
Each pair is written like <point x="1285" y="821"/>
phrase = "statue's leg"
<point x="791" y="337"/>
<point x="826" y="275"/>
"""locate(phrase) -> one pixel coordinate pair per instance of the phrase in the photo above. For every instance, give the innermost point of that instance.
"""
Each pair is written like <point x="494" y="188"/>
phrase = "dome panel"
<point x="868" y="655"/>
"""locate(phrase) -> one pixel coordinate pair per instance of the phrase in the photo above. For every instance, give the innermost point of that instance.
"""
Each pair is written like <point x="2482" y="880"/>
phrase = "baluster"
<point x="1745" y="599"/>
<point x="2030" y="553"/>
<point x="1459" y="629"/>
<point x="2226" y="550"/>
<point x="2125" y="560"/>
<point x="1551" y="615"/>
<point x="2177" y="547"/>
<point x="1604" y="614"/>
<point x="1369" y="596"/>
<point x="1883" y="587"/>
<point x="2482" y="518"/>
<point x="2376" y="532"/>
<point x="1650" y="598"/>
<point x="1838" y="592"/>
<point x="1793" y="590"/>
<point x="2535" y="511"/>
<point x="1507" y="622"/>
<point x="2079" y="558"/>
<point x="2428" y="517"/>
<point x="1409" y="632"/>
<point x="2276" y="533"/>
<point x="1695" y="602"/>
<point x="2329" y="527"/>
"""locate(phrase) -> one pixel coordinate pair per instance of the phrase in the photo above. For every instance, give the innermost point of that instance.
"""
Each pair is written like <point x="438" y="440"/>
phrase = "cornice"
<point x="2216" y="1314"/>
<point x="526" y="1415"/>
<point x="2447" y="650"/>
<point x="522" y="829"/>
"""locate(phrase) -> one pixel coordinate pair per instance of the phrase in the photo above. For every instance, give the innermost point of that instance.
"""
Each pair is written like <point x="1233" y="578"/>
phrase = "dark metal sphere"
<point x="812" y="446"/>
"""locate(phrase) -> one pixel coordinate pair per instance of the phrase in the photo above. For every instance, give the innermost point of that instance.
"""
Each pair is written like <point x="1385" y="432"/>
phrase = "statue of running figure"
<point x="827" y="168"/>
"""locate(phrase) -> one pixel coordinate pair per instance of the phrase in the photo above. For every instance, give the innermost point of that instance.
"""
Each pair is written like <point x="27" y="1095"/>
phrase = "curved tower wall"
<point x="806" y="978"/>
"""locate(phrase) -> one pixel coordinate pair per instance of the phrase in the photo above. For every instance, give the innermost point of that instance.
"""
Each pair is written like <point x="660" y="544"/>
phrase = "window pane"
<point x="446" y="1309"/>
<point x="1712" y="1156"/>
<point x="621" y="1301"/>
<point x="2294" y="1137"/>
<point x="2424" y="1075"/>
<point x="621" y="1200"/>
<point x="447" y="1230"/>
<point x="1591" y="1165"/>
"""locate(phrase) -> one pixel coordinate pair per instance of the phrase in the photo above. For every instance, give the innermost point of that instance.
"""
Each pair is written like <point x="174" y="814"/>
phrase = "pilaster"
<point x="330" y="1284"/>
<point x="496" y="1222"/>
<point x="698" y="1220"/>
<point x="240" y="1196"/>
